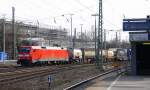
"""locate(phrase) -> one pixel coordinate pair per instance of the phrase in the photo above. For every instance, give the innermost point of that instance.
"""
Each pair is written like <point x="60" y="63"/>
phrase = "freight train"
<point x="29" y="55"/>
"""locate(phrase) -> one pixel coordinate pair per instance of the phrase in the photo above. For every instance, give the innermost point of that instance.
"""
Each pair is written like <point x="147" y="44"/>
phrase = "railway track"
<point x="8" y="69"/>
<point x="18" y="69"/>
<point x="21" y="75"/>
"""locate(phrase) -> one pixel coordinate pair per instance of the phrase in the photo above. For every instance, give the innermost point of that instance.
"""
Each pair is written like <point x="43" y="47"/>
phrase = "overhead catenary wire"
<point x="37" y="5"/>
<point x="84" y="5"/>
<point x="28" y="4"/>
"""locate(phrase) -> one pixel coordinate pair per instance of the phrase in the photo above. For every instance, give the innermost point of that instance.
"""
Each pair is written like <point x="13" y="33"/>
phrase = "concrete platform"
<point x="122" y="82"/>
<point x="131" y="83"/>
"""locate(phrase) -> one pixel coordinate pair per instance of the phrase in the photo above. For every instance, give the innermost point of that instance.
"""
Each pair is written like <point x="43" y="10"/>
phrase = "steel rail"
<point x="29" y="75"/>
<point x="24" y="70"/>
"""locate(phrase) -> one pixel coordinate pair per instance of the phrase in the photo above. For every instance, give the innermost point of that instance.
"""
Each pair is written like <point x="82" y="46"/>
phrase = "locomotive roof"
<point x="45" y="47"/>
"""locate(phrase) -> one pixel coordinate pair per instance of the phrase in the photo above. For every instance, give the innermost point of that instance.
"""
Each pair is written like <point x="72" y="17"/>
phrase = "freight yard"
<point x="74" y="45"/>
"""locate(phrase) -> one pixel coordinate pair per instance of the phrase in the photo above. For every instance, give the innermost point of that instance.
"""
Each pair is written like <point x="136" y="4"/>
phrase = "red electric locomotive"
<point x="28" y="55"/>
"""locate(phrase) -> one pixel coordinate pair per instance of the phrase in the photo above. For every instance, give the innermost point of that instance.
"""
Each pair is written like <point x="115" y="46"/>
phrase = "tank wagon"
<point x="90" y="55"/>
<point x="111" y="54"/>
<point x="121" y="54"/>
<point x="117" y="54"/>
<point x="77" y="55"/>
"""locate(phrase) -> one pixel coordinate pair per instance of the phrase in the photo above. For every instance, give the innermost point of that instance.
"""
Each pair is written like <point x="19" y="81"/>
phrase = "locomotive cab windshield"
<point x="24" y="55"/>
<point x="24" y="50"/>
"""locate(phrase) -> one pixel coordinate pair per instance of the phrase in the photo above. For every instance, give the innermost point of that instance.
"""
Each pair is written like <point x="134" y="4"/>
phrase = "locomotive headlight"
<point x="20" y="55"/>
<point x="26" y="55"/>
<point x="23" y="55"/>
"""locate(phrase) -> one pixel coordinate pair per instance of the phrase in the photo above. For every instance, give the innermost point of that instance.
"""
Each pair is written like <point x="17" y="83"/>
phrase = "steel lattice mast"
<point x="100" y="38"/>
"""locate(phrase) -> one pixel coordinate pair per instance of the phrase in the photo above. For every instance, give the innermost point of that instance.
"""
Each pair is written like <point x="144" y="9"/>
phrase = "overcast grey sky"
<point x="45" y="11"/>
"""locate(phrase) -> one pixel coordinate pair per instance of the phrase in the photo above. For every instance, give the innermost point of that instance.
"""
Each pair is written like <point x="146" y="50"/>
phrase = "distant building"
<point x="32" y="33"/>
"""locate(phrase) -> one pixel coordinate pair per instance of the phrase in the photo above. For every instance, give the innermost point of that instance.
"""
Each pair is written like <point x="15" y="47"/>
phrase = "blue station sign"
<point x="136" y="24"/>
<point x="138" y="36"/>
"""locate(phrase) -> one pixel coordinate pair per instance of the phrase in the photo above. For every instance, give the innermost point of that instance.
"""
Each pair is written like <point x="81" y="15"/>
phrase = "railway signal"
<point x="49" y="80"/>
